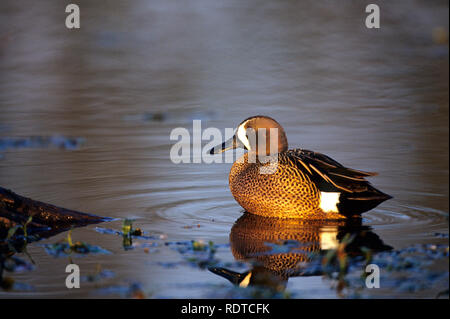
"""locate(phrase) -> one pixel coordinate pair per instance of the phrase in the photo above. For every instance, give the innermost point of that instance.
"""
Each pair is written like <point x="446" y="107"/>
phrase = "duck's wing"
<point x="328" y="174"/>
<point x="357" y="195"/>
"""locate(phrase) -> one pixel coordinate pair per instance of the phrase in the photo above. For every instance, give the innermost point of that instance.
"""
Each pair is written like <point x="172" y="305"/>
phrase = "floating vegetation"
<point x="197" y="253"/>
<point x="345" y="267"/>
<point x="250" y="292"/>
<point x="187" y="114"/>
<point x="133" y="290"/>
<point x="9" y="284"/>
<point x="407" y="270"/>
<point x="335" y="263"/>
<point x="128" y="230"/>
<point x="13" y="264"/>
<point x="403" y="272"/>
<point x="16" y="241"/>
<point x="100" y="274"/>
<point x="12" y="231"/>
<point x="148" y="117"/>
<point x="67" y="248"/>
<point x="155" y="116"/>
<point x="17" y="235"/>
<point x="129" y="233"/>
<point x="62" y="142"/>
<point x="110" y="231"/>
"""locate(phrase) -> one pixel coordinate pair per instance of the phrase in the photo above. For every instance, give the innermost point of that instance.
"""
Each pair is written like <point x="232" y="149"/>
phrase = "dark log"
<point x="46" y="218"/>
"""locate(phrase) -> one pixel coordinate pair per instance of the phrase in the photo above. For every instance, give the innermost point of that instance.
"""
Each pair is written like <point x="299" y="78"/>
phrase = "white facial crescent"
<point x="241" y="134"/>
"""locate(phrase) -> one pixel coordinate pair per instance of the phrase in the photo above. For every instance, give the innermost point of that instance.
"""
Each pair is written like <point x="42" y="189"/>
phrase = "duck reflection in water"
<point x="281" y="248"/>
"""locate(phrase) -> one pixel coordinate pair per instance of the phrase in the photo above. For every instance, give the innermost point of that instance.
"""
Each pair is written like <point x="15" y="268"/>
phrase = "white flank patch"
<point x="329" y="201"/>
<point x="328" y="239"/>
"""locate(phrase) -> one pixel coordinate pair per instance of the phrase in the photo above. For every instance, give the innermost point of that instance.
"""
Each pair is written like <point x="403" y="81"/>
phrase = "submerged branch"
<point x="46" y="219"/>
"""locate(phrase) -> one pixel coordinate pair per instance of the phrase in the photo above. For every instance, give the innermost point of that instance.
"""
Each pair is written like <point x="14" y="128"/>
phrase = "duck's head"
<point x="260" y="134"/>
<point x="258" y="276"/>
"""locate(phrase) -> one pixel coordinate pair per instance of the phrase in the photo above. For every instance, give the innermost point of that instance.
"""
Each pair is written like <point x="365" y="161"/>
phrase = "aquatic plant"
<point x="67" y="247"/>
<point x="12" y="231"/>
<point x="98" y="275"/>
<point x="129" y="233"/>
<point x="13" y="264"/>
<point x="408" y="270"/>
<point x="132" y="290"/>
<point x="196" y="253"/>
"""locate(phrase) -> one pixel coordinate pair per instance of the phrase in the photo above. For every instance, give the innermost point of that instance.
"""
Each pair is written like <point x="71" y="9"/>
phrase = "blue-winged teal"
<point x="252" y="239"/>
<point x="302" y="184"/>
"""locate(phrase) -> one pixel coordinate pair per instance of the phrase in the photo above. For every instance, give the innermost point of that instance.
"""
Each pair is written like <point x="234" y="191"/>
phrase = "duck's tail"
<point x="359" y="202"/>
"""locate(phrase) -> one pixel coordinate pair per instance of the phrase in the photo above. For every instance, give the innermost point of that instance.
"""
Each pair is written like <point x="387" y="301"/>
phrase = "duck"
<point x="272" y="180"/>
<point x="278" y="249"/>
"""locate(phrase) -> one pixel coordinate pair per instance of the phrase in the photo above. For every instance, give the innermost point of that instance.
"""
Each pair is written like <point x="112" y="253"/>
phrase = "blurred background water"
<point x="373" y="99"/>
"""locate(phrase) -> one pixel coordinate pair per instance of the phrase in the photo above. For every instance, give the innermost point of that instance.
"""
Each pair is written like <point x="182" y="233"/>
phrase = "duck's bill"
<point x="232" y="143"/>
<point x="233" y="277"/>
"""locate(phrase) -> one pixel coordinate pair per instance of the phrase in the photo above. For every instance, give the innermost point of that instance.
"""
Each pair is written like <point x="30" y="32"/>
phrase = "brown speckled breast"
<point x="251" y="235"/>
<point x="287" y="193"/>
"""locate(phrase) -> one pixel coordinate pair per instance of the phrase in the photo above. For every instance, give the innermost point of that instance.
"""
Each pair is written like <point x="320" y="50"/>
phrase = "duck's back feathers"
<point x="357" y="194"/>
<point x="327" y="174"/>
